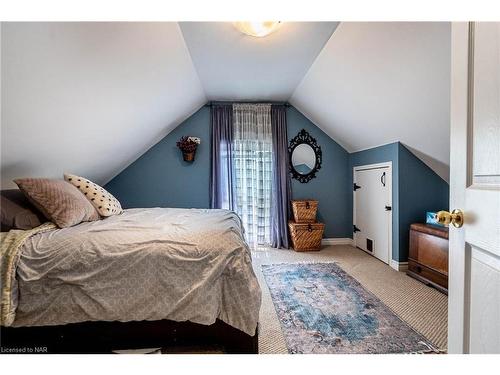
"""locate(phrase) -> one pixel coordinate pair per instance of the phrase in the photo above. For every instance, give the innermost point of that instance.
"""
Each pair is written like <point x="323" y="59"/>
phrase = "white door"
<point x="474" y="267"/>
<point x="373" y="210"/>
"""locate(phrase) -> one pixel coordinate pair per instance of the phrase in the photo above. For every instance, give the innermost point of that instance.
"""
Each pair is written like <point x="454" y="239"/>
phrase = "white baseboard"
<point x="336" y="241"/>
<point x="399" y="266"/>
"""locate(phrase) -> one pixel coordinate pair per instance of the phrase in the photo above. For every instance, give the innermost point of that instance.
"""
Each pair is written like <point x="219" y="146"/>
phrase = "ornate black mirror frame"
<point x="304" y="137"/>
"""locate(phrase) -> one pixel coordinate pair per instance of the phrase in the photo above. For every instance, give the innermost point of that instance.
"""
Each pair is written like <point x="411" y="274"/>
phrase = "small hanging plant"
<point x="188" y="146"/>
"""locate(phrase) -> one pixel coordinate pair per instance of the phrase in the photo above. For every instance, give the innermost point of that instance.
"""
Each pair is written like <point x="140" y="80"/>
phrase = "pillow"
<point x="104" y="202"/>
<point x="59" y="201"/>
<point x="17" y="212"/>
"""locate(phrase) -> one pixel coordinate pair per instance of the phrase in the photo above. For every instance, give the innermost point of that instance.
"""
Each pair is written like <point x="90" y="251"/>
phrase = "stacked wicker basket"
<point x="306" y="233"/>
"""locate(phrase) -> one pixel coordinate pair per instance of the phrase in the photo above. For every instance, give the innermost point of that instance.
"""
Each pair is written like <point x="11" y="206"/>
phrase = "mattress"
<point x="144" y="264"/>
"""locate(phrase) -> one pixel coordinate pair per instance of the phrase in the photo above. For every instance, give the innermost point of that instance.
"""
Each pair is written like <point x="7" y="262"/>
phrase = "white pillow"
<point x="104" y="202"/>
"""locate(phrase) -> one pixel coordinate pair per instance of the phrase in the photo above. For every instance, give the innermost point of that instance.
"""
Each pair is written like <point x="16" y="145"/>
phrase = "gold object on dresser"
<point x="428" y="255"/>
<point x="305" y="232"/>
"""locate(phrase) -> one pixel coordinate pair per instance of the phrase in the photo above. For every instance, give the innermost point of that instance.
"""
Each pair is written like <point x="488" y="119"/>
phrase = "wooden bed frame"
<point x="104" y="337"/>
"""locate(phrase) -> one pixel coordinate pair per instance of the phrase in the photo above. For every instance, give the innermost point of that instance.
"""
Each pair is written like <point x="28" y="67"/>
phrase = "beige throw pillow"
<point x="58" y="201"/>
<point x="104" y="202"/>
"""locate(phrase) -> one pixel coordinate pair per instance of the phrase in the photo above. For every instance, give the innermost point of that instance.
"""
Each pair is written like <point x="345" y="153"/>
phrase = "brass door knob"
<point x="456" y="218"/>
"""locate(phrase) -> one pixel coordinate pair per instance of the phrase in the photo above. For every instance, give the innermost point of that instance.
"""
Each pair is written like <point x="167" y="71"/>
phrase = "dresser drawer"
<point x="429" y="250"/>
<point x="427" y="275"/>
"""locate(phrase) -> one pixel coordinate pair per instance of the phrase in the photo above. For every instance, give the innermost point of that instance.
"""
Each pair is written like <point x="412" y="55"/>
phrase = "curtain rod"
<point x="215" y="102"/>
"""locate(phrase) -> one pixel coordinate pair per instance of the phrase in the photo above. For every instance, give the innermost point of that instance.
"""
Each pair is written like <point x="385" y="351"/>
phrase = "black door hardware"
<point x="388" y="208"/>
<point x="355" y="229"/>
<point x="382" y="179"/>
<point x="356" y="186"/>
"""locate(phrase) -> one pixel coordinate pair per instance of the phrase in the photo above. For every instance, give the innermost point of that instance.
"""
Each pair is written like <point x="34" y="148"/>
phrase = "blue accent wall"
<point x="331" y="185"/>
<point x="416" y="189"/>
<point x="161" y="178"/>
<point x="420" y="190"/>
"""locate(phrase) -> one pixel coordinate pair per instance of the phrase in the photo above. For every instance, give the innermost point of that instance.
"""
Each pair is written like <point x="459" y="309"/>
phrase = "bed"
<point x="144" y="278"/>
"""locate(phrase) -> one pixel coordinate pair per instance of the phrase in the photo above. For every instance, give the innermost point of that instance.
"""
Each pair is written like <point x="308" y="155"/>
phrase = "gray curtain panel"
<point x="282" y="190"/>
<point x="221" y="178"/>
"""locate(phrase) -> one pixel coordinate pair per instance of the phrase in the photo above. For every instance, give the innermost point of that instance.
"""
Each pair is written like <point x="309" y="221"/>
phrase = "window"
<point x="249" y="172"/>
<point x="253" y="171"/>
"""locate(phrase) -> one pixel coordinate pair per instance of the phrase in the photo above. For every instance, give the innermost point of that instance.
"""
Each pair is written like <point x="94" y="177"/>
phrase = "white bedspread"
<point x="145" y="264"/>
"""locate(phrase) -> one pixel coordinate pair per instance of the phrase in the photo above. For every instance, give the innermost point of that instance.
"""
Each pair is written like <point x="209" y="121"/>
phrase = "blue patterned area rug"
<point x="324" y="310"/>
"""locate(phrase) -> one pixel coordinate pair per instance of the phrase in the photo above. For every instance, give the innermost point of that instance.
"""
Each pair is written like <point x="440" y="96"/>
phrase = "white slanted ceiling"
<point x="89" y="98"/>
<point x="235" y="66"/>
<point x="376" y="83"/>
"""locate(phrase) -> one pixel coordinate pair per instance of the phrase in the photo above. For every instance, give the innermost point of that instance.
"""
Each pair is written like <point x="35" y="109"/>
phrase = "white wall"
<point x="381" y="82"/>
<point x="89" y="98"/>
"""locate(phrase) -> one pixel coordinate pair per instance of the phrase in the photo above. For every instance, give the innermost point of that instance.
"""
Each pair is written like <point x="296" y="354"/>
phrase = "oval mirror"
<point x="305" y="156"/>
<point x="303" y="159"/>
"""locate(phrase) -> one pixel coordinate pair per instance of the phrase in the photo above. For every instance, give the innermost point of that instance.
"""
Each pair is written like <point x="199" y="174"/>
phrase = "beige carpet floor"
<point x="423" y="308"/>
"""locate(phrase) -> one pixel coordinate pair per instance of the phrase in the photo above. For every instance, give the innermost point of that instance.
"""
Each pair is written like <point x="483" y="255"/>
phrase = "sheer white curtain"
<point x="252" y="154"/>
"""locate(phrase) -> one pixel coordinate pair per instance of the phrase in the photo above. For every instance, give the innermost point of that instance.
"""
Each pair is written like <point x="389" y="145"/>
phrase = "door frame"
<point x="387" y="165"/>
<point x="458" y="294"/>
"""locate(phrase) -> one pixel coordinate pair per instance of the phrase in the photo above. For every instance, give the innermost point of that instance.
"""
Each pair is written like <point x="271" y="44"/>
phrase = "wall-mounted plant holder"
<point x="189" y="156"/>
<point x="188" y="146"/>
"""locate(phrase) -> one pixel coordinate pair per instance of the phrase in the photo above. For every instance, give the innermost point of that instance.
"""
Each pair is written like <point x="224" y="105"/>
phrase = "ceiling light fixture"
<point x="257" y="29"/>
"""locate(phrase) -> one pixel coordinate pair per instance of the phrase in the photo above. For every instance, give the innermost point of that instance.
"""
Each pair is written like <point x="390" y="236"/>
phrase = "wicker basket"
<point x="306" y="236"/>
<point x="305" y="211"/>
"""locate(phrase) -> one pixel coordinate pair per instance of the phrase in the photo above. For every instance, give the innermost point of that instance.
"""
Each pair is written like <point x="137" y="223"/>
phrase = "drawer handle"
<point x="309" y="228"/>
<point x="307" y="205"/>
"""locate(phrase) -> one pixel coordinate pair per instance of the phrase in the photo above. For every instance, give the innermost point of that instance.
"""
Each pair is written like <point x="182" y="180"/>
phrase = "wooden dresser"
<point x="428" y="255"/>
